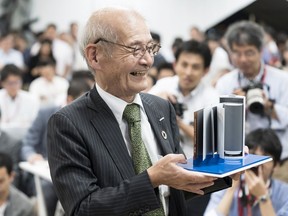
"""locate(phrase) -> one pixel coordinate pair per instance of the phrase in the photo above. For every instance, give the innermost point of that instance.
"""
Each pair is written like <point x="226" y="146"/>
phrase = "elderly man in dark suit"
<point x="101" y="162"/>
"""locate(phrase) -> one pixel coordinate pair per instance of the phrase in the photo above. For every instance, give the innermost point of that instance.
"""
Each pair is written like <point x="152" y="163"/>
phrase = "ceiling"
<point x="273" y="13"/>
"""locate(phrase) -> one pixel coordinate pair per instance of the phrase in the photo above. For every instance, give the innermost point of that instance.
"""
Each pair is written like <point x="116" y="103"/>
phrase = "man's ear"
<point x="91" y="54"/>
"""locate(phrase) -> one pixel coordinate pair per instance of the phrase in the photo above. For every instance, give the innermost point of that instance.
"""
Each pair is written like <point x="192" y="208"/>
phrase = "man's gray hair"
<point x="245" y="33"/>
<point x="97" y="27"/>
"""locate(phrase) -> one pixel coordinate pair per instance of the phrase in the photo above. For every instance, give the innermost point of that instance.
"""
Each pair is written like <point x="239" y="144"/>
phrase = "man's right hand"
<point x="167" y="172"/>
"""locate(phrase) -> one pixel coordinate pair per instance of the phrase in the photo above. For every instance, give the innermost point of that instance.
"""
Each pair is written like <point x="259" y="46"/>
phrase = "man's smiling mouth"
<point x="138" y="73"/>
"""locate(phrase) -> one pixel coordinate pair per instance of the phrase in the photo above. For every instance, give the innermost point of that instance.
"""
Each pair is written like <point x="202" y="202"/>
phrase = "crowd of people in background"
<point x="40" y="77"/>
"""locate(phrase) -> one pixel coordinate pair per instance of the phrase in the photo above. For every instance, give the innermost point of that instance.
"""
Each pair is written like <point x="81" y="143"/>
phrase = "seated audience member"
<point x="11" y="146"/>
<point x="258" y="193"/>
<point x="165" y="70"/>
<point x="18" y="107"/>
<point x="12" y="201"/>
<point x="62" y="52"/>
<point x="35" y="142"/>
<point x="8" y="55"/>
<point x="49" y="88"/>
<point x="45" y="54"/>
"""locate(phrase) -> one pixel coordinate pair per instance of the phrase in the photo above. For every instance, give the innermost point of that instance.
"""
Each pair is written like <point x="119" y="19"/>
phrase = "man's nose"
<point x="146" y="59"/>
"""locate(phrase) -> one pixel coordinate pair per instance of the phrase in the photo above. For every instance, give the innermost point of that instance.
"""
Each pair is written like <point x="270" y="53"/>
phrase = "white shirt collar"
<point x="116" y="104"/>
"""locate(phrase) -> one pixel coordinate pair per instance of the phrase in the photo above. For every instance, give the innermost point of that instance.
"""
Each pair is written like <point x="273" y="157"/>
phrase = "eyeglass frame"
<point x="247" y="53"/>
<point x="143" y="51"/>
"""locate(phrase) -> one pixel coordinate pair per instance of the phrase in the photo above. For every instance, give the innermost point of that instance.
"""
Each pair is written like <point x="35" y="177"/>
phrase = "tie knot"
<point x="132" y="113"/>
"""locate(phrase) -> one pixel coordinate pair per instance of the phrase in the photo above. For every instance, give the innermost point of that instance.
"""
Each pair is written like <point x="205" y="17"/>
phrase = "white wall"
<point x="170" y="18"/>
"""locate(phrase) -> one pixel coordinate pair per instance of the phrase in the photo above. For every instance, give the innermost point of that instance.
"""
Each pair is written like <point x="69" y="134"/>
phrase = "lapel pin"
<point x="164" y="135"/>
<point x="161" y="119"/>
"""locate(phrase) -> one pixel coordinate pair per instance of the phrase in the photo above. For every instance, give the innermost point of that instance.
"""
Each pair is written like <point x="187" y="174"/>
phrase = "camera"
<point x="179" y="108"/>
<point x="254" y="97"/>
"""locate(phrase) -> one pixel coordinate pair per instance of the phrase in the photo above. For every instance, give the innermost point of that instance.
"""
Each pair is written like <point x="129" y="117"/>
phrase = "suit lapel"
<point x="158" y="124"/>
<point x="107" y="127"/>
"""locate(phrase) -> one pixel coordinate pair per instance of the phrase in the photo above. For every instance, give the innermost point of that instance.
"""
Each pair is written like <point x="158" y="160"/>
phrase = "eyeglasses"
<point x="137" y="51"/>
<point x="247" y="53"/>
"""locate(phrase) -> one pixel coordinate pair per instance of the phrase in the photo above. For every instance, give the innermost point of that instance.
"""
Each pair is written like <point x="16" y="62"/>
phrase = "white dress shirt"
<point x="50" y="93"/>
<point x="17" y="113"/>
<point x="11" y="57"/>
<point x="117" y="106"/>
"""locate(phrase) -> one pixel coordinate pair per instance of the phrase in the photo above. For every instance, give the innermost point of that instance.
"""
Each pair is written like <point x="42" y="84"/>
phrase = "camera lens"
<point x="256" y="108"/>
<point x="255" y="101"/>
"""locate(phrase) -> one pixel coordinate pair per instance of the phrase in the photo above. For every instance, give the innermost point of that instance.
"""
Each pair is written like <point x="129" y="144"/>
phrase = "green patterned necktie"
<point x="139" y="152"/>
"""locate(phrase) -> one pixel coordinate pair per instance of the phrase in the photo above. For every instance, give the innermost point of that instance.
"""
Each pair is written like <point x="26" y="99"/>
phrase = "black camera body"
<point x="254" y="97"/>
<point x="179" y="108"/>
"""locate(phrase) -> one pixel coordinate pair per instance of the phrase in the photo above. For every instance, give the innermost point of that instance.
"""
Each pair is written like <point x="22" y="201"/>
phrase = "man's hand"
<point x="256" y="184"/>
<point x="167" y="172"/>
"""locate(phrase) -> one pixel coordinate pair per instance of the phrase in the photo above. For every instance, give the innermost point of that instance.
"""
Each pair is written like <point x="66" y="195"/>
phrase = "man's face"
<point x="7" y="43"/>
<point x="48" y="72"/>
<point x="190" y="69"/>
<point x="5" y="181"/>
<point x="12" y="85"/>
<point x="247" y="59"/>
<point x="51" y="33"/>
<point x="123" y="75"/>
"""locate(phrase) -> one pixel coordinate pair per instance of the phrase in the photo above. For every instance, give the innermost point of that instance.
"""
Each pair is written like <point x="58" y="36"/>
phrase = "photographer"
<point x="265" y="87"/>
<point x="185" y="90"/>
<point x="257" y="193"/>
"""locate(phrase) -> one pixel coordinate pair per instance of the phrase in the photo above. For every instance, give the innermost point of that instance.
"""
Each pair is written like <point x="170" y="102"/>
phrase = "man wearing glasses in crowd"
<point x="265" y="87"/>
<point x="101" y="162"/>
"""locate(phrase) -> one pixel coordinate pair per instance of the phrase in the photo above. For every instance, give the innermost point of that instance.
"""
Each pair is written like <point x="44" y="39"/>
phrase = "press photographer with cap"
<point x="265" y="87"/>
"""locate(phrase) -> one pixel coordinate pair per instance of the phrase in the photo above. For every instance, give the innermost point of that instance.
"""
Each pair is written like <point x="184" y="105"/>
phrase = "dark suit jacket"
<point x="90" y="166"/>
